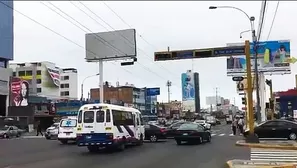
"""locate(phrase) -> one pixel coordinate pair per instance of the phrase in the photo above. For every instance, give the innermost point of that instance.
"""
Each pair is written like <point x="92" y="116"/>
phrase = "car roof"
<point x="278" y="120"/>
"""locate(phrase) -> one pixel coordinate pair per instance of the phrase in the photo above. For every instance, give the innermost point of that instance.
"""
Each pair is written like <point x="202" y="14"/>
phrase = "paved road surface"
<point x="36" y="153"/>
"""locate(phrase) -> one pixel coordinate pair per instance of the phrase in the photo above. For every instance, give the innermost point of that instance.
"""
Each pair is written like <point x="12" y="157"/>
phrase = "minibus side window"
<point x="79" y="118"/>
<point x="100" y="116"/>
<point x="107" y="115"/>
<point x="88" y="116"/>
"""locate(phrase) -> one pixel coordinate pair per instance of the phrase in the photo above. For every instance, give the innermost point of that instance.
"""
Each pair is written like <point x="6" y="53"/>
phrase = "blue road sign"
<point x="229" y="51"/>
<point x="152" y="91"/>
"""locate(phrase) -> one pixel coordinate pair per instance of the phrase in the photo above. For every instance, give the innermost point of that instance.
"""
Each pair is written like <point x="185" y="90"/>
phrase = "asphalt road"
<point x="36" y="153"/>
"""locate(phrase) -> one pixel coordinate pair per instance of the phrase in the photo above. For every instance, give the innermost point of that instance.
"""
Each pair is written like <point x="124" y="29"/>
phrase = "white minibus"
<point x="109" y="126"/>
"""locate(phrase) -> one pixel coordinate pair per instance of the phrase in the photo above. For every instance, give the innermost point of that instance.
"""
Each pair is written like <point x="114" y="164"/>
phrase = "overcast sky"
<point x="180" y="25"/>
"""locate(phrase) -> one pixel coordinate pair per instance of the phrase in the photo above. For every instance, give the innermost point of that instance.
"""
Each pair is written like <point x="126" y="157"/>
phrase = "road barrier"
<point x="275" y="155"/>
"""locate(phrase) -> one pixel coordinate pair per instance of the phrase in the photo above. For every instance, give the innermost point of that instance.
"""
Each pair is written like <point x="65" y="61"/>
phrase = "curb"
<point x="230" y="165"/>
<point x="270" y="146"/>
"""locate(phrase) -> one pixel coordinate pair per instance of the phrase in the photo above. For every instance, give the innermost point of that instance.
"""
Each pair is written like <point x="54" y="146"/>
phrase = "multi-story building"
<point x="69" y="83"/>
<point x="6" y="53"/>
<point x="127" y="95"/>
<point x="43" y="78"/>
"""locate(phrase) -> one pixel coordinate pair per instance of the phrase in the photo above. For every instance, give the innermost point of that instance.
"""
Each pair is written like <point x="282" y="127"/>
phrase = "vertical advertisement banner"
<point x="19" y="92"/>
<point x="273" y="58"/>
<point x="188" y="91"/>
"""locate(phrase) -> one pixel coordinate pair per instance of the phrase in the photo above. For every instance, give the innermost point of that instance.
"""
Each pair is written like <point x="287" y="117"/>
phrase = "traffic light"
<point x="243" y="100"/>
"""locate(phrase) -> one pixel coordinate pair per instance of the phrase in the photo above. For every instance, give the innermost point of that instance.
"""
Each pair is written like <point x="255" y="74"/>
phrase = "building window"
<point x="66" y="93"/>
<point x="62" y="86"/>
<point x="13" y="73"/>
<point x="66" y="85"/>
<point x="21" y="73"/>
<point x="38" y="72"/>
<point x="28" y="73"/>
<point x="38" y="81"/>
<point x="38" y="90"/>
<point x="66" y="78"/>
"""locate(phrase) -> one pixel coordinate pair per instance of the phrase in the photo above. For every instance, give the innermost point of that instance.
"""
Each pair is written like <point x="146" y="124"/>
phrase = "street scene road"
<point x="39" y="152"/>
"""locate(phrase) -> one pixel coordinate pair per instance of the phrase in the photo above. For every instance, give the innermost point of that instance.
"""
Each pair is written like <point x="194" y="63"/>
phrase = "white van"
<point x="67" y="130"/>
<point x="110" y="126"/>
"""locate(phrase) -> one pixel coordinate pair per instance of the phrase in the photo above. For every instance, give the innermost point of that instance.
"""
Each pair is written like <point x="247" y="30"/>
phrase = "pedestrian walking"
<point x="240" y="125"/>
<point x="234" y="126"/>
<point x="39" y="129"/>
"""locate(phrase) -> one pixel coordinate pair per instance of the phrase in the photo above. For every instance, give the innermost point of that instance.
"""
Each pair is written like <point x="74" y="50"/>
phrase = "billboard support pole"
<point x="101" y="82"/>
<point x="251" y="138"/>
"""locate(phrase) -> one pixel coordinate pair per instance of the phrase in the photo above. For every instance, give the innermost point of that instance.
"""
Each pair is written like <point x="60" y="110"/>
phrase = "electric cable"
<point x="272" y="23"/>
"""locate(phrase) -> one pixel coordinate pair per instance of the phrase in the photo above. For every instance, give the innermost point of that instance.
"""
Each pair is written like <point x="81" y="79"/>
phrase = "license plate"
<point x="88" y="137"/>
<point x="185" y="133"/>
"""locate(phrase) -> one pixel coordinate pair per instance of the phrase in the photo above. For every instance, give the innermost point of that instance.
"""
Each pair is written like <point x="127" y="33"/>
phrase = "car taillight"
<point x="162" y="130"/>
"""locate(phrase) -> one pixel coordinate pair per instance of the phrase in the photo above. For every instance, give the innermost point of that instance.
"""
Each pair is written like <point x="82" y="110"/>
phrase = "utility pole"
<point x="216" y="98"/>
<point x="168" y="84"/>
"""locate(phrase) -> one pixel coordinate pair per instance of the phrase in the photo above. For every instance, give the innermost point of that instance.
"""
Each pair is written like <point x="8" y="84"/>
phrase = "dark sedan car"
<point x="154" y="132"/>
<point x="192" y="133"/>
<point x="276" y="129"/>
<point x="173" y="127"/>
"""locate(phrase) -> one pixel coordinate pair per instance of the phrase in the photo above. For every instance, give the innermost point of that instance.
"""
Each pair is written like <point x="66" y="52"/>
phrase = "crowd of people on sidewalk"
<point x="237" y="125"/>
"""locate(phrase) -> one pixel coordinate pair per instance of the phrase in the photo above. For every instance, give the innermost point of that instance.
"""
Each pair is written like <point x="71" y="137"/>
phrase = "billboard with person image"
<point x="19" y="92"/>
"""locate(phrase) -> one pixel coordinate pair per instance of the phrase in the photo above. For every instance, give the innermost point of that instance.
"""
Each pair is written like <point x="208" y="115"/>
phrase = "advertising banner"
<point x="273" y="58"/>
<point x="6" y="29"/>
<point x="19" y="92"/>
<point x="188" y="91"/>
<point x="152" y="91"/>
<point x="55" y="75"/>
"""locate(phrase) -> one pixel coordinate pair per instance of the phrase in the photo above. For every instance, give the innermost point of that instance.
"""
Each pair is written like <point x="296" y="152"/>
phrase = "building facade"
<point x="122" y="95"/>
<point x="6" y="53"/>
<point x="43" y="78"/>
<point x="69" y="83"/>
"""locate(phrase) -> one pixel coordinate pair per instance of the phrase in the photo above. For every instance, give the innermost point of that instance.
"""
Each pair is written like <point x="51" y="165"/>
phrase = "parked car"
<point x="52" y="131"/>
<point x="10" y="131"/>
<point x="193" y="133"/>
<point x="276" y="129"/>
<point x="203" y="123"/>
<point x="155" y="132"/>
<point x="173" y="127"/>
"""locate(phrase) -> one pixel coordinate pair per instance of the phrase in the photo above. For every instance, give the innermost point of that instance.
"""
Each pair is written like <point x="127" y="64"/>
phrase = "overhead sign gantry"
<point x="199" y="53"/>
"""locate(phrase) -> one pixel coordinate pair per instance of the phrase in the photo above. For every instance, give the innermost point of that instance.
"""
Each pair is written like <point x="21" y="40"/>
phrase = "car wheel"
<point x="209" y="138"/>
<point x="5" y="136"/>
<point x="153" y="138"/>
<point x="292" y="136"/>
<point x="178" y="142"/>
<point x="200" y="140"/>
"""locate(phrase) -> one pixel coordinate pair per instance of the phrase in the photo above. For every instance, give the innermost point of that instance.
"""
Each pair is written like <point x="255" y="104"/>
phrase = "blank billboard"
<point x="111" y="45"/>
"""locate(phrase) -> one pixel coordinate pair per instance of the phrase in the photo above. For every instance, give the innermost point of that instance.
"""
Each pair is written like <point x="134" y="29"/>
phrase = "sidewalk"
<point x="31" y="135"/>
<point x="256" y="164"/>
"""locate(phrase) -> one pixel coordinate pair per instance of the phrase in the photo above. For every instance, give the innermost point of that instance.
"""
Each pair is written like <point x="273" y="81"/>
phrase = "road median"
<point x="285" y="145"/>
<point x="256" y="164"/>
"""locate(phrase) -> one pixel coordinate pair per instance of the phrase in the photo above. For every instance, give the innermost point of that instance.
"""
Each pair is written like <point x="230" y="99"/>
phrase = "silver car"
<point x="52" y="131"/>
<point x="10" y="131"/>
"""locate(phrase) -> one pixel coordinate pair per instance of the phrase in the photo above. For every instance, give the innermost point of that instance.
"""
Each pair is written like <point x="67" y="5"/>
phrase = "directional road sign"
<point x="238" y="78"/>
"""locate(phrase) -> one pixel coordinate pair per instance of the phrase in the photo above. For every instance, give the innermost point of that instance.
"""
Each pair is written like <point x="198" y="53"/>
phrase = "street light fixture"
<point x="82" y="85"/>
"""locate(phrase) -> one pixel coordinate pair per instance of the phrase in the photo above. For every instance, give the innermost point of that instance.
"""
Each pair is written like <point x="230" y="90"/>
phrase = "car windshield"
<point x="68" y="123"/>
<point x="188" y="126"/>
<point x="3" y="128"/>
<point x="55" y="125"/>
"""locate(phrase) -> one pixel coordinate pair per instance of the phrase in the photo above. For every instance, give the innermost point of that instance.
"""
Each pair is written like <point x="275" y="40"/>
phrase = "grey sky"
<point x="180" y="25"/>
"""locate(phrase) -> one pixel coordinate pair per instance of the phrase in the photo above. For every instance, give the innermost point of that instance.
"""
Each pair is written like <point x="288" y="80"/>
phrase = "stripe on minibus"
<point x="131" y="133"/>
<point x="119" y="128"/>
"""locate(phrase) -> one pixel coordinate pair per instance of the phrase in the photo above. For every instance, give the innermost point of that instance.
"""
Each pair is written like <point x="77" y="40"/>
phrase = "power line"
<point x="272" y="23"/>
<point x="114" y="29"/>
<point x="83" y="29"/>
<point x="262" y="17"/>
<point x="33" y="20"/>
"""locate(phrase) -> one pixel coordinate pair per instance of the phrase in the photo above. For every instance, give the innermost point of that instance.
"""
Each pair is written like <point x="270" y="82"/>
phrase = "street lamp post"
<point x="82" y="85"/>
<point x="251" y="137"/>
<point x="255" y="48"/>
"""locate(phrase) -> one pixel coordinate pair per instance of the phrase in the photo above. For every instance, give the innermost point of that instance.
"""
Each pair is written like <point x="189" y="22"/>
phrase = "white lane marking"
<point x="213" y="134"/>
<point x="221" y="134"/>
